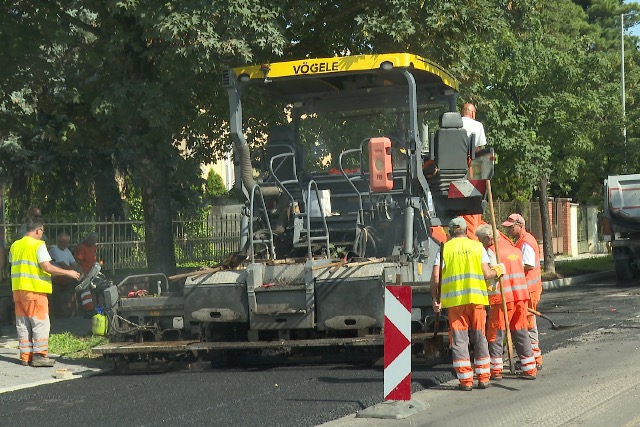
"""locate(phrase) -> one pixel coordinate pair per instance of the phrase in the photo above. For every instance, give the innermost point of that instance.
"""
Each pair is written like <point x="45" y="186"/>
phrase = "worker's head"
<point x="457" y="227"/>
<point x="35" y="228"/>
<point x="484" y="233"/>
<point x="515" y="225"/>
<point x="91" y="239"/>
<point x="63" y="241"/>
<point x="469" y="110"/>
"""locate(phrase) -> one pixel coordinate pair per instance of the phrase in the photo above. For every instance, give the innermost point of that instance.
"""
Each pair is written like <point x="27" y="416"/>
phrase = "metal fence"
<point x="531" y="213"/>
<point x="583" y="230"/>
<point x="121" y="244"/>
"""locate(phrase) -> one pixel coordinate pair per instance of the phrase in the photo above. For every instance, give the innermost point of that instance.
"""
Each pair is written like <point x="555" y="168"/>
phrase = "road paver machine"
<point x="342" y="198"/>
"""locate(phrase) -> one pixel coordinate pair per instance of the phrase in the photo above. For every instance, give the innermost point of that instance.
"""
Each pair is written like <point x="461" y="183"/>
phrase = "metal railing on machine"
<point x="121" y="243"/>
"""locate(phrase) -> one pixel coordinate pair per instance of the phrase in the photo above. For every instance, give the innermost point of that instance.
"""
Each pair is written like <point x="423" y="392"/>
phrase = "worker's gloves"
<point x="499" y="269"/>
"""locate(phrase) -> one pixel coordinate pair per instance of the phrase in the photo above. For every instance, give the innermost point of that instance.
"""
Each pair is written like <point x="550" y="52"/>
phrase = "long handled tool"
<point x="195" y="273"/>
<point x="436" y="323"/>
<point x="553" y="325"/>
<point x="512" y="365"/>
<point x="433" y="348"/>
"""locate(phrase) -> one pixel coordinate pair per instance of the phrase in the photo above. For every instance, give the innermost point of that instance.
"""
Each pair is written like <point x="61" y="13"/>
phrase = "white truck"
<point x="622" y="210"/>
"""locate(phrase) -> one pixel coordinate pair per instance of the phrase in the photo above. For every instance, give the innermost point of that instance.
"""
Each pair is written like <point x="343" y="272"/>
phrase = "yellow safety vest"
<point x="462" y="278"/>
<point x="26" y="273"/>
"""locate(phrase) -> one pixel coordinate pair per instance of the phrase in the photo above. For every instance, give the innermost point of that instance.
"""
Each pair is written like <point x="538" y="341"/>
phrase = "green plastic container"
<point x="99" y="323"/>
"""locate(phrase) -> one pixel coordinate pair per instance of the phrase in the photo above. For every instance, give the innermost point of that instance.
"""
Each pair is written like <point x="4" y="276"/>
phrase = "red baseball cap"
<point x="513" y="219"/>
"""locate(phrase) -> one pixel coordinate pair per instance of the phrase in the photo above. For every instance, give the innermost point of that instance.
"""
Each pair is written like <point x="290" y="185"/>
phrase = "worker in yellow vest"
<point x="465" y="267"/>
<point x="31" y="271"/>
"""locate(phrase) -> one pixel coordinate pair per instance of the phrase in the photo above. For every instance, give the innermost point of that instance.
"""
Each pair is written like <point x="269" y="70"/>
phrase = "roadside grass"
<point x="576" y="267"/>
<point x="74" y="347"/>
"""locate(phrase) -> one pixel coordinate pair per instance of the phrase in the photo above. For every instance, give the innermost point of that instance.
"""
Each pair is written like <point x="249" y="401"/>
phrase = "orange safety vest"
<point x="473" y="222"/>
<point x="514" y="282"/>
<point x="534" y="281"/>
<point x="438" y="234"/>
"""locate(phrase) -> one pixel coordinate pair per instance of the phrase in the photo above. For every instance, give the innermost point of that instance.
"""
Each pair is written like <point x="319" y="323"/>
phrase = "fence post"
<point x="113" y="245"/>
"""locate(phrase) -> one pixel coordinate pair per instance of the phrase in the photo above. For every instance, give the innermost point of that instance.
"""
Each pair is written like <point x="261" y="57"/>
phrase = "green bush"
<point x="214" y="187"/>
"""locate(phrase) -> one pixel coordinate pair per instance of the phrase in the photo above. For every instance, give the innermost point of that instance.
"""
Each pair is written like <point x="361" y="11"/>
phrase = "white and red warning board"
<point x="397" y="343"/>
<point x="463" y="188"/>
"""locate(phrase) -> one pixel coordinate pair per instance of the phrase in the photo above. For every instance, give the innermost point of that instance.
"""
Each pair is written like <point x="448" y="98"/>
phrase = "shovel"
<point x="553" y="325"/>
<point x="510" y="352"/>
<point x="433" y="346"/>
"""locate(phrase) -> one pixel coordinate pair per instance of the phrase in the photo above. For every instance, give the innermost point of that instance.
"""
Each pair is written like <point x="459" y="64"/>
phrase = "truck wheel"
<point x="624" y="273"/>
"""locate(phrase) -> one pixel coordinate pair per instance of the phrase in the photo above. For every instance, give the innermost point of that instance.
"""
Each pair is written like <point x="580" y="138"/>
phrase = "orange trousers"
<point x="467" y="324"/>
<point x="32" y="323"/>
<point x="496" y="332"/>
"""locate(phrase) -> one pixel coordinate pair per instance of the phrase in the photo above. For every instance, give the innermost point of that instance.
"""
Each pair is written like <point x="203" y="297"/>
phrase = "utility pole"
<point x="624" y="108"/>
<point x="624" y="101"/>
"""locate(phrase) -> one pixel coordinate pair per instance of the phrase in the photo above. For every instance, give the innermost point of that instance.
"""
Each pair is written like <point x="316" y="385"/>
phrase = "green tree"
<point x="95" y="90"/>
<point x="214" y="187"/>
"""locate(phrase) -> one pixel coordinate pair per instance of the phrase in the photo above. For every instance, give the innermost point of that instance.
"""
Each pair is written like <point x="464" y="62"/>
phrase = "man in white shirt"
<point x="472" y="126"/>
<point x="61" y="254"/>
<point x="63" y="299"/>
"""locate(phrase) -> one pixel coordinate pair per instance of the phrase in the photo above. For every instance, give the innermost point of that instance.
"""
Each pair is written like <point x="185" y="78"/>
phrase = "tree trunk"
<point x="108" y="200"/>
<point x="19" y="196"/>
<point x="157" y="215"/>
<point x="547" y="239"/>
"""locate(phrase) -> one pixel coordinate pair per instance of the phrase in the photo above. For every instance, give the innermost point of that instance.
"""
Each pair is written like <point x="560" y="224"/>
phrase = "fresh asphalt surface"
<point x="282" y="396"/>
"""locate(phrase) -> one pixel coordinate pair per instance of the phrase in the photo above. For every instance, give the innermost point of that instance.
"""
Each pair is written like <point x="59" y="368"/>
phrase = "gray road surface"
<point x="589" y="376"/>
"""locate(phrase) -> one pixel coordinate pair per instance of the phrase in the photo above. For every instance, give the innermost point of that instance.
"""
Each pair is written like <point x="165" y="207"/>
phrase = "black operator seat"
<point x="279" y="141"/>
<point x="449" y="152"/>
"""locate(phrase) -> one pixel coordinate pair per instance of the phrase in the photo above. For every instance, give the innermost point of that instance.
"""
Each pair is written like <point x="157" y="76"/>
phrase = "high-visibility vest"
<point x="534" y="281"/>
<point x="473" y="222"/>
<point x="26" y="273"/>
<point x="514" y="282"/>
<point x="462" y="278"/>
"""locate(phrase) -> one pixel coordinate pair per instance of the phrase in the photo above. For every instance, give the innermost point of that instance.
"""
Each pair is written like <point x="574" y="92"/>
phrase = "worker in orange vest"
<point x="531" y="257"/>
<point x="516" y="296"/>
<point x="473" y="222"/>
<point x="85" y="255"/>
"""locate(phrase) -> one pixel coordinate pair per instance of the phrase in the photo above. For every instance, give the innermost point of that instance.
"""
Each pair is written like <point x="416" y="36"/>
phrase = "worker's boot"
<point x="465" y="387"/>
<point x="40" y="361"/>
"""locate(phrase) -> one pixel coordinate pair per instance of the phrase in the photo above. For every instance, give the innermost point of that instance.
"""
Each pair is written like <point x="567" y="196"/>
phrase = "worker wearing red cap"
<point x="465" y="267"/>
<point x="531" y="257"/>
<point x="516" y="296"/>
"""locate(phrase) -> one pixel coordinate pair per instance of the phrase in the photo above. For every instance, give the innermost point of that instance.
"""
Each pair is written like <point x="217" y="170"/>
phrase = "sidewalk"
<point x="14" y="376"/>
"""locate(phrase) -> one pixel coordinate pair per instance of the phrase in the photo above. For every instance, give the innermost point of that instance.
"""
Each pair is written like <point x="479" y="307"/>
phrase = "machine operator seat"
<point x="279" y="141"/>
<point x="450" y="150"/>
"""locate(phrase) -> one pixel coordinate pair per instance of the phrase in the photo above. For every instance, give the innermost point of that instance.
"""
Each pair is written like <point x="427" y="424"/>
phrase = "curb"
<point x="568" y="281"/>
